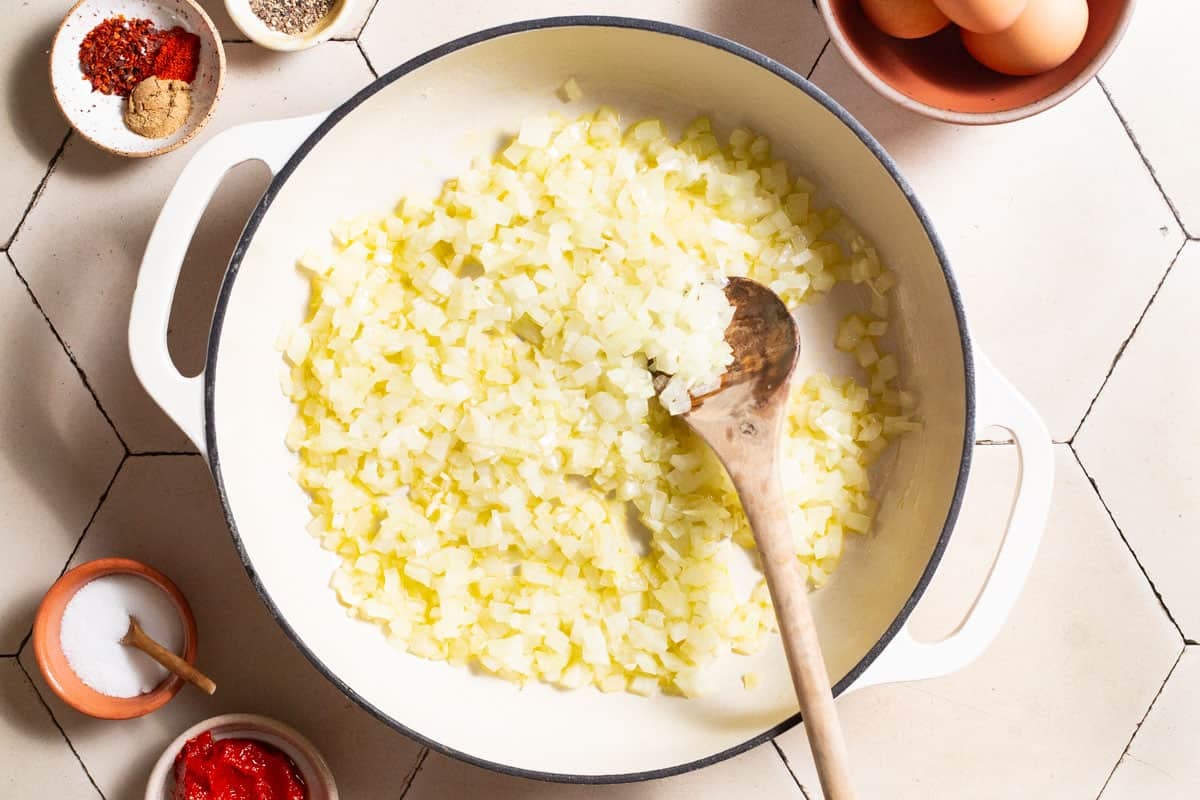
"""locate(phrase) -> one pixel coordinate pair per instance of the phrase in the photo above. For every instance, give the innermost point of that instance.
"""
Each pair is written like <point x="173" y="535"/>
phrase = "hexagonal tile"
<point x="1056" y="232"/>
<point x="759" y="773"/>
<point x="163" y="510"/>
<point x="1149" y="76"/>
<point x="788" y="31"/>
<point x="1048" y="709"/>
<point x="1163" y="760"/>
<point x="82" y="243"/>
<point x="57" y="454"/>
<point x="33" y="754"/>
<point x="1139" y="443"/>
<point x="31" y="128"/>
<point x="221" y="18"/>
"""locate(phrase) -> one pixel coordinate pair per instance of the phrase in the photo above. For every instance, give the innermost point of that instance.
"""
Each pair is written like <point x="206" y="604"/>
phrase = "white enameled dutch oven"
<point x="422" y="123"/>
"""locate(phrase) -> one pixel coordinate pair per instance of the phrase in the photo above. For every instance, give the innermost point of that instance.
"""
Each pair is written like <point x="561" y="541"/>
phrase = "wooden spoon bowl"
<point x="742" y="421"/>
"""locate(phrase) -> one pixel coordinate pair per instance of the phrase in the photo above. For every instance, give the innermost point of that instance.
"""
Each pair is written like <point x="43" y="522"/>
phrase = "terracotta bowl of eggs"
<point x="976" y="62"/>
<point x="77" y="632"/>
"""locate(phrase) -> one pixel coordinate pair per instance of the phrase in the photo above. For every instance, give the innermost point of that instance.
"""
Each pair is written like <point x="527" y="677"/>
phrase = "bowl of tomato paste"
<point x="236" y="756"/>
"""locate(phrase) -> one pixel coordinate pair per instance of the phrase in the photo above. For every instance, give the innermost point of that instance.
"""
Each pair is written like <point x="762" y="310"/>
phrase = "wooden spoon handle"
<point x="138" y="638"/>
<point x="765" y="508"/>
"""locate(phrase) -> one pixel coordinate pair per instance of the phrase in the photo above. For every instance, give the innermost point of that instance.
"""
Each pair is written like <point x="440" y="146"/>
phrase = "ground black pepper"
<point x="291" y="16"/>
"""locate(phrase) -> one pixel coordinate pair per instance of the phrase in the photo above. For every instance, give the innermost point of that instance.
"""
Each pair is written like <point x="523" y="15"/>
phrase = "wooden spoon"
<point x="741" y="422"/>
<point x="138" y="638"/>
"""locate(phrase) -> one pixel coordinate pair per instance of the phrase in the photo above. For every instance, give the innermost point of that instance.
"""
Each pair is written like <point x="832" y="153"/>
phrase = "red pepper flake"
<point x="178" y="56"/>
<point x="118" y="54"/>
<point x="235" y="769"/>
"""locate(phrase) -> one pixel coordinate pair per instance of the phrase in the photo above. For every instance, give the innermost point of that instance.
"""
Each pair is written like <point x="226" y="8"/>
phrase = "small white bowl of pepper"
<point x="290" y="25"/>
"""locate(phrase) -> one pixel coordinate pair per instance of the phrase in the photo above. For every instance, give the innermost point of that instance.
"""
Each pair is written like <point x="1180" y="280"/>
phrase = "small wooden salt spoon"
<point x="138" y="638"/>
<point x="741" y="422"/>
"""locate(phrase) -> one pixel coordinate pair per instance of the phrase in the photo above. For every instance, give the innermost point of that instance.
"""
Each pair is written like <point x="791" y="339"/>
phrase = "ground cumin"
<point x="157" y="107"/>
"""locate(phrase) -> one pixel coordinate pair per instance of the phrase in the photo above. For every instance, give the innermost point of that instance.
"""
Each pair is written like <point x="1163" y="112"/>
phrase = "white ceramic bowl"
<point x="308" y="760"/>
<point x="99" y="117"/>
<point x="423" y="123"/>
<point x="260" y="33"/>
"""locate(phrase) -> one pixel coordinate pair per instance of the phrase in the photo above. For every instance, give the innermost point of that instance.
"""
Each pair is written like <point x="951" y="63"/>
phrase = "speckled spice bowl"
<point x="262" y="34"/>
<point x="307" y="758"/>
<point x="47" y="648"/>
<point x="98" y="117"/>
<point x="936" y="77"/>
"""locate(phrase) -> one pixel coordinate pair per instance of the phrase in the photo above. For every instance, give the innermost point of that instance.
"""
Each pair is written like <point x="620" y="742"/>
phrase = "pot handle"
<point x="905" y="658"/>
<point x="181" y="397"/>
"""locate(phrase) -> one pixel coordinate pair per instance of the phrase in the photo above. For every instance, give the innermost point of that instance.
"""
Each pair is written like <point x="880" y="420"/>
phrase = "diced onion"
<point x="476" y="415"/>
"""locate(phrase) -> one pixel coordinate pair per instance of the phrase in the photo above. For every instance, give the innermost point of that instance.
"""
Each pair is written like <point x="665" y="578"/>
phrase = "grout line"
<point x="66" y="738"/>
<point x="1121" y="350"/>
<point x="363" y="28"/>
<point x="366" y="58"/>
<point x="366" y="22"/>
<point x="236" y="40"/>
<point x="1141" y="722"/>
<point x="1132" y="552"/>
<point x="41" y="187"/>
<point x="788" y="766"/>
<point x="87" y="526"/>
<point x="358" y="40"/>
<point x="1138" y="147"/>
<point x="62" y="343"/>
<point x="92" y="518"/>
<point x="813" y="68"/>
<point x="411" y="777"/>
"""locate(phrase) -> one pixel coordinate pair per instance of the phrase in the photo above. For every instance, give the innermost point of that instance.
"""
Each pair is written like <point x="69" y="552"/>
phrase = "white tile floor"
<point x="1163" y="760"/>
<point x="1069" y="236"/>
<point x="1137" y="451"/>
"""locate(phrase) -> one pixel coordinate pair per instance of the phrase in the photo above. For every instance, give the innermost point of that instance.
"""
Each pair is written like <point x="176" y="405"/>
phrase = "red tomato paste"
<point x="235" y="769"/>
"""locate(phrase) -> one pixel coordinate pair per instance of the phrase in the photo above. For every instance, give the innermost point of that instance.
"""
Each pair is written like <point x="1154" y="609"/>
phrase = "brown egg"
<point x="982" y="16"/>
<point x="1046" y="34"/>
<point x="905" y="19"/>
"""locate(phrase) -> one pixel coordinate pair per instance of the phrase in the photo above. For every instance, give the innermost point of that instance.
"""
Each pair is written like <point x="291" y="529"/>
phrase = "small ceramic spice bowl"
<point x="311" y="766"/>
<point x="99" y="117"/>
<point x="52" y="660"/>
<point x="243" y="13"/>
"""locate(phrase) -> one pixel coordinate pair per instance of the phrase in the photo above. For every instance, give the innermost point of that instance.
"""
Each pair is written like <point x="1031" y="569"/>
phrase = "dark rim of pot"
<point x="711" y="40"/>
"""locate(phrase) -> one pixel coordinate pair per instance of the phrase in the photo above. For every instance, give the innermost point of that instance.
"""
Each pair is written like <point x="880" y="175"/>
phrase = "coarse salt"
<point x="96" y="619"/>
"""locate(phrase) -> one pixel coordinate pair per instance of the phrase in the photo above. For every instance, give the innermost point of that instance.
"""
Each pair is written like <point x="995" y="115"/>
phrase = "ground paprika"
<point x="178" y="55"/>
